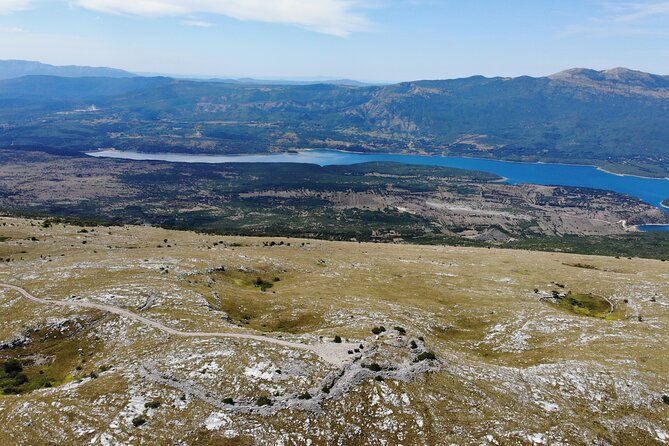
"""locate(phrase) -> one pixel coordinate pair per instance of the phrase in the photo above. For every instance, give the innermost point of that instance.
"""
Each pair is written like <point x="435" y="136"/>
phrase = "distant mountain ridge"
<point x="618" y="79"/>
<point x="617" y="119"/>
<point x="10" y="69"/>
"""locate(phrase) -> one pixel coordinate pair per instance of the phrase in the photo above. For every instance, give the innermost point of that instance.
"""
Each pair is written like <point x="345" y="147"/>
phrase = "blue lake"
<point x="650" y="190"/>
<point x="654" y="227"/>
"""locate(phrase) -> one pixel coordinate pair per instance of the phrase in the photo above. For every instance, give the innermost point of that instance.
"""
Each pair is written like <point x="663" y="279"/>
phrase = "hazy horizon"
<point x="296" y="79"/>
<point x="366" y="40"/>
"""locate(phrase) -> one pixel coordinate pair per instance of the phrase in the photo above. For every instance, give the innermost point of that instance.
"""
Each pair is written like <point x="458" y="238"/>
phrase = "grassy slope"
<point x="475" y="307"/>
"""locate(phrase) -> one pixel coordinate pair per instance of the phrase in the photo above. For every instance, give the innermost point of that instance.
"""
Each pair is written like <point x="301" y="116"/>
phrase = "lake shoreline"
<point x="94" y="153"/>
<point x="650" y="190"/>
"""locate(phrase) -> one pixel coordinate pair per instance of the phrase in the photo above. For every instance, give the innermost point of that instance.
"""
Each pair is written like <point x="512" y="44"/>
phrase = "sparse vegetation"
<point x="459" y="319"/>
<point x="581" y="265"/>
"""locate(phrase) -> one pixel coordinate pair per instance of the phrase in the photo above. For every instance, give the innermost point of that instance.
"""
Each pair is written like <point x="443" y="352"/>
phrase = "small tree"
<point x="337" y="339"/>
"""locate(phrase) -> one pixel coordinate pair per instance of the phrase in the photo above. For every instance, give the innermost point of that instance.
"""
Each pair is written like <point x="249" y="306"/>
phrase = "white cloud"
<point x="634" y="12"/>
<point x="650" y="19"/>
<point x="8" y="6"/>
<point x="336" y="17"/>
<point x="198" y="23"/>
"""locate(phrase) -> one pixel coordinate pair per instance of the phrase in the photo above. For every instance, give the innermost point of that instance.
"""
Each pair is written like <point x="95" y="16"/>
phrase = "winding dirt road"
<point x="336" y="354"/>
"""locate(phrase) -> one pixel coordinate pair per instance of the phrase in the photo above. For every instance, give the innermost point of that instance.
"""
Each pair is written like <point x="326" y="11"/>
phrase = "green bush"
<point x="20" y="378"/>
<point x="337" y="339"/>
<point x="263" y="401"/>
<point x="426" y="355"/>
<point x="229" y="401"/>
<point x="12" y="367"/>
<point x="153" y="404"/>
<point x="262" y="284"/>
<point x="138" y="421"/>
<point x="11" y="390"/>
<point x="378" y="330"/>
<point x="374" y="367"/>
<point x="305" y="396"/>
<point x="400" y="330"/>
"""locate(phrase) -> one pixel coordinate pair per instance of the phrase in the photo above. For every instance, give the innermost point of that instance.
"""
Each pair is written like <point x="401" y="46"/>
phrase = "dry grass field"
<point x="530" y="348"/>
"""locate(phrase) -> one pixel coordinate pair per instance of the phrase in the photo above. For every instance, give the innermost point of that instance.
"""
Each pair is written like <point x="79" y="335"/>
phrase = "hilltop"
<point x="355" y="343"/>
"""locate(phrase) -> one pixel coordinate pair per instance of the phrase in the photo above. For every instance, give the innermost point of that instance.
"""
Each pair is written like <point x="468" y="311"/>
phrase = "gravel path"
<point x="333" y="353"/>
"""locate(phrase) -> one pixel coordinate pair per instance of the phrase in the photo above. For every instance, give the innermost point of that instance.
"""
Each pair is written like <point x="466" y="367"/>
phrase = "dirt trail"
<point x="336" y="354"/>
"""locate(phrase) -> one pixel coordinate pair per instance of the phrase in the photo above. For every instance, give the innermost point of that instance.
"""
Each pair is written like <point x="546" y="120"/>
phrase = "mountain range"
<point x="617" y="119"/>
<point x="16" y="68"/>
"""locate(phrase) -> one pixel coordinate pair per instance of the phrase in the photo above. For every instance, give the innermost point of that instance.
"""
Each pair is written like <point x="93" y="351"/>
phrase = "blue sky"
<point x="379" y="40"/>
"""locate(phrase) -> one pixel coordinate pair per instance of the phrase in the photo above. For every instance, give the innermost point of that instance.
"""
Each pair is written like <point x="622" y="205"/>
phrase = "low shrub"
<point x="153" y="404"/>
<point x="263" y="401"/>
<point x="426" y="356"/>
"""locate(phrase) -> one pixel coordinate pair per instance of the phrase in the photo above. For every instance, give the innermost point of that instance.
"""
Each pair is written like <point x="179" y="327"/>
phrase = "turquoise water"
<point x="650" y="190"/>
